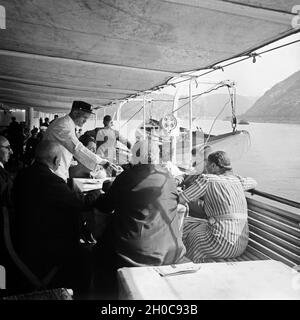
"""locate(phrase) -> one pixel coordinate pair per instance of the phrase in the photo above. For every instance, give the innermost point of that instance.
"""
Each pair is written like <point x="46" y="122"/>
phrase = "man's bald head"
<point x="145" y="152"/>
<point x="48" y="152"/>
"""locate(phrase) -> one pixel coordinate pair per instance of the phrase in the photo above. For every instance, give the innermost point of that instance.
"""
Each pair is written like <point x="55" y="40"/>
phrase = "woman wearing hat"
<point x="225" y="233"/>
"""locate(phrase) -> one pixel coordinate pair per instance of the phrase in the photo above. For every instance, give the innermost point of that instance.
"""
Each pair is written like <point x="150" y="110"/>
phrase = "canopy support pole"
<point x="120" y="105"/>
<point x="190" y="122"/>
<point x="96" y="113"/>
<point x="144" y="116"/>
<point x="174" y="138"/>
<point x="29" y="117"/>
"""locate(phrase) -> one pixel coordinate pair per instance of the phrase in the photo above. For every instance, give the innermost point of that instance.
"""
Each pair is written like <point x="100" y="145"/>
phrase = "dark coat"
<point x="146" y="226"/>
<point x="47" y="219"/>
<point x="5" y="188"/>
<point x="5" y="200"/>
<point x="79" y="171"/>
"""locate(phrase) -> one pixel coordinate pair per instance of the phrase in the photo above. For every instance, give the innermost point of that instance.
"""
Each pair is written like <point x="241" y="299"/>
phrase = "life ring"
<point x="168" y="122"/>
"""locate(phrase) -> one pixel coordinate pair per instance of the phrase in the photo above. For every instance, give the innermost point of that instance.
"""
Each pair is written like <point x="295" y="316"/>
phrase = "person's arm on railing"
<point x="247" y="183"/>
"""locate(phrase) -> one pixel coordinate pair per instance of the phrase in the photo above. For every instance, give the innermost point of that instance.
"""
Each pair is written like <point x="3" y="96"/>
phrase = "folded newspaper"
<point x="177" y="269"/>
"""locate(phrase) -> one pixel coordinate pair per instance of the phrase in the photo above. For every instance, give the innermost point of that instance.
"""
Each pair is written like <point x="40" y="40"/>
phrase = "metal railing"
<point x="275" y="198"/>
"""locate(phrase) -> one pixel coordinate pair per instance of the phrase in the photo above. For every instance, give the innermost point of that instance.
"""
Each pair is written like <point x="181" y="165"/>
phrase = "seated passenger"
<point x="48" y="216"/>
<point x="196" y="207"/>
<point x="166" y="159"/>
<point x="146" y="227"/>
<point x="5" y="178"/>
<point x="6" y="184"/>
<point x="225" y="233"/>
<point x="79" y="170"/>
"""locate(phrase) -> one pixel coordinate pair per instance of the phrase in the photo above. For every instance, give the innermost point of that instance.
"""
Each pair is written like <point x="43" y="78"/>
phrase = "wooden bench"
<point x="274" y="233"/>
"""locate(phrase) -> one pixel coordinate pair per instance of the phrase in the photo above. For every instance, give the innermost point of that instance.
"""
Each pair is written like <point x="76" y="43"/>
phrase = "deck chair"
<point x="38" y="284"/>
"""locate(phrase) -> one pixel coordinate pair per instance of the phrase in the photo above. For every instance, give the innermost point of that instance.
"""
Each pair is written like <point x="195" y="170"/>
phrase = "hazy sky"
<point x="253" y="79"/>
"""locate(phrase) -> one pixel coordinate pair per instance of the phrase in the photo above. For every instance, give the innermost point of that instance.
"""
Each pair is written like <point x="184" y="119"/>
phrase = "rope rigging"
<point x="189" y="75"/>
<point x="232" y="101"/>
<point x="141" y="108"/>
<point x="200" y="94"/>
<point x="210" y="130"/>
<point x="250" y="55"/>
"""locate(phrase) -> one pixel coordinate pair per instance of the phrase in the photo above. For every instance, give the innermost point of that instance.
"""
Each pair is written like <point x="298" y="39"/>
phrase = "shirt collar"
<point x="51" y="170"/>
<point x="1" y="165"/>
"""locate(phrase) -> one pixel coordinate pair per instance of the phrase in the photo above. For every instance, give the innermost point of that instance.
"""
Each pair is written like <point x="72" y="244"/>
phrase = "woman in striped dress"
<point x="225" y="233"/>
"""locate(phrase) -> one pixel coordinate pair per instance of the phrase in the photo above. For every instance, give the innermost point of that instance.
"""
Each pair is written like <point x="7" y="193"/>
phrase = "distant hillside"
<point x="213" y="104"/>
<point x="203" y="107"/>
<point x="279" y="104"/>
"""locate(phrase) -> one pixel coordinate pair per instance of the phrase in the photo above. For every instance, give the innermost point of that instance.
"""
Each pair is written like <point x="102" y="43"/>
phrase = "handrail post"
<point x="96" y="113"/>
<point x="173" y="138"/>
<point x="190" y="122"/>
<point x="120" y="105"/>
<point x="144" y="117"/>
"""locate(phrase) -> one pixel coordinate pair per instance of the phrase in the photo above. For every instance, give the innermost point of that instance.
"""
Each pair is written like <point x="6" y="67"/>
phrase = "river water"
<point x="273" y="158"/>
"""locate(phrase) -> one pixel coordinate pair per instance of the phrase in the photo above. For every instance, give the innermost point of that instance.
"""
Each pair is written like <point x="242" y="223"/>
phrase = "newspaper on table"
<point x="177" y="269"/>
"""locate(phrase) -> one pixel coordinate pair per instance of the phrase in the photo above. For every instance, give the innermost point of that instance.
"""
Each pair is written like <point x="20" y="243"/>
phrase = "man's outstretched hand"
<point x="115" y="167"/>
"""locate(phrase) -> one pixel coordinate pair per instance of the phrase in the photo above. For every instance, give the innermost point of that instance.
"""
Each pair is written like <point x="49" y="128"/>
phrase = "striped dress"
<point x="224" y="237"/>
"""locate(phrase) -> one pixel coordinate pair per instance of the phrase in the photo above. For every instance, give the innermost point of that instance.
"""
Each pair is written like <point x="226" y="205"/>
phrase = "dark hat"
<point x="81" y="105"/>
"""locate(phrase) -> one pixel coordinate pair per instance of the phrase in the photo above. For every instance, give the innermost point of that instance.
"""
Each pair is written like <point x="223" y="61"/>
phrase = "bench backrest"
<point x="274" y="233"/>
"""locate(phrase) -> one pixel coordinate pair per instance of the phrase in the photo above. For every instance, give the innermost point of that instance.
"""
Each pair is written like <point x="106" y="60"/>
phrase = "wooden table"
<point x="264" y="279"/>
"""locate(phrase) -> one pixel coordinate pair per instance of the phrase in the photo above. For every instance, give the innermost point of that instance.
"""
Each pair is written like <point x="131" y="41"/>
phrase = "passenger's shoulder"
<point x="43" y="172"/>
<point x="208" y="176"/>
<point x="215" y="178"/>
<point x="59" y="123"/>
